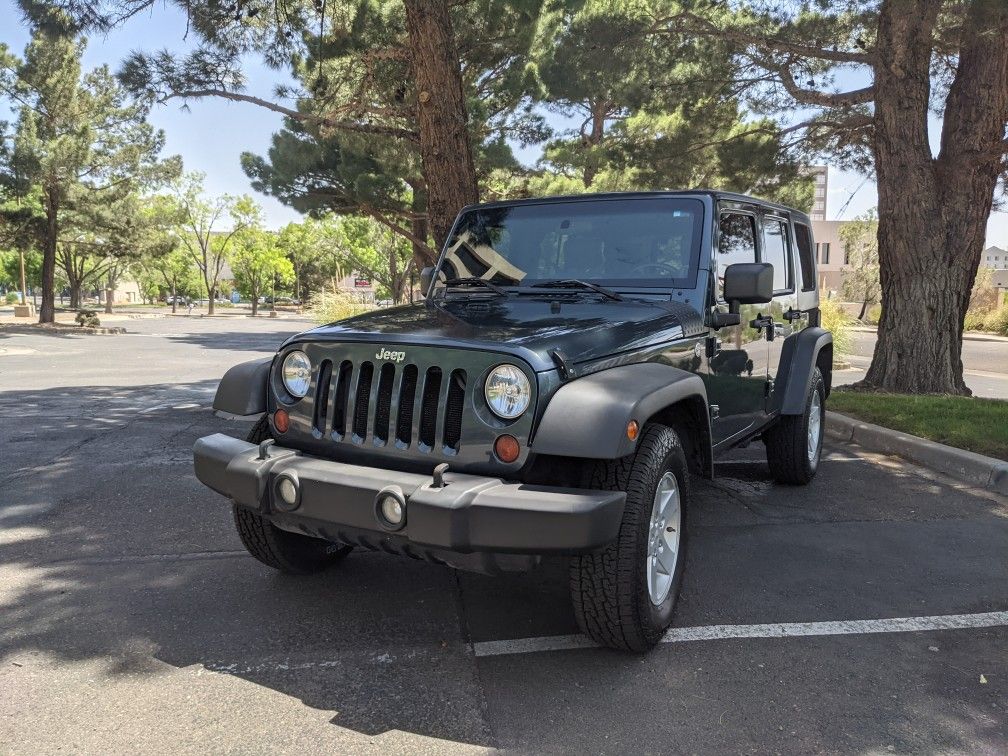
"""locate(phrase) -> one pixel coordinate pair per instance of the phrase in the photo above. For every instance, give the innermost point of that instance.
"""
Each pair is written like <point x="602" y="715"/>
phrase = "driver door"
<point x="738" y="356"/>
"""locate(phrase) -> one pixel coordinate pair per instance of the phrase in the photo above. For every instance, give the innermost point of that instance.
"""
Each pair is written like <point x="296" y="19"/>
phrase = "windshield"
<point x="648" y="242"/>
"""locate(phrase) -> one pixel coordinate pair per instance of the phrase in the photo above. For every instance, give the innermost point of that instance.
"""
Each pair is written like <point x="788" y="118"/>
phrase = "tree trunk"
<point x="75" y="294"/>
<point x="933" y="211"/>
<point x="419" y="226"/>
<point x="174" y="300"/>
<point x="255" y="301"/>
<point x="592" y="141"/>
<point x="47" y="312"/>
<point x="864" y="309"/>
<point x="108" y="300"/>
<point x="442" y="122"/>
<point x="211" y="296"/>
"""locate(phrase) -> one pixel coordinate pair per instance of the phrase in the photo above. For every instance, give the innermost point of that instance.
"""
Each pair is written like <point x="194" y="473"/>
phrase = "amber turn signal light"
<point x="506" y="448"/>
<point x="281" y="421"/>
<point x="632" y="429"/>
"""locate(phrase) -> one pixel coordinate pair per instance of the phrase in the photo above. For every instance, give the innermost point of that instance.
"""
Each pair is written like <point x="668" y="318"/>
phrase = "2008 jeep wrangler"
<point x="574" y="360"/>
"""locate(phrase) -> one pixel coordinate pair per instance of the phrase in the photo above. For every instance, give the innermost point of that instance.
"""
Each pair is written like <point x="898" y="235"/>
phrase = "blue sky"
<point x="211" y="134"/>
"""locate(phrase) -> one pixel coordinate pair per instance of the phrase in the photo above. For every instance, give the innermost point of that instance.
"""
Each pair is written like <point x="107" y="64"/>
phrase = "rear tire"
<point x="623" y="597"/>
<point x="794" y="443"/>
<point x="292" y="553"/>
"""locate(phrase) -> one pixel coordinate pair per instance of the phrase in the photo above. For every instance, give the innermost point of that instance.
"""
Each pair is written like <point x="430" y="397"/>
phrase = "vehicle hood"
<point x="582" y="327"/>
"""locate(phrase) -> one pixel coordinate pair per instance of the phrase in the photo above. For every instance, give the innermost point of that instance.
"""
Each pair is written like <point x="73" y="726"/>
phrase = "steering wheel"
<point x="659" y="266"/>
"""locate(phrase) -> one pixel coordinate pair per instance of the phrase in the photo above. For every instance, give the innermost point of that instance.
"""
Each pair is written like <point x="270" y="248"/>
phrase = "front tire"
<point x="292" y="553"/>
<point x="794" y="444"/>
<point x="624" y="595"/>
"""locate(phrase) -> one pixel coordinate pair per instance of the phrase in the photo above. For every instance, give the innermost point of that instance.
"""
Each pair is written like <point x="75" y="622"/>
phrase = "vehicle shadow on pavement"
<point x="113" y="556"/>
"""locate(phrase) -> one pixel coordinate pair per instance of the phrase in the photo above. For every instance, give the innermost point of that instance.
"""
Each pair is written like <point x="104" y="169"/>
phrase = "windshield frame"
<point x="646" y="285"/>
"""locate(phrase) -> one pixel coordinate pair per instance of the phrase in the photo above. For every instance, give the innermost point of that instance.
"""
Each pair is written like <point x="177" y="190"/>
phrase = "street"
<point x="131" y="619"/>
<point x="985" y="362"/>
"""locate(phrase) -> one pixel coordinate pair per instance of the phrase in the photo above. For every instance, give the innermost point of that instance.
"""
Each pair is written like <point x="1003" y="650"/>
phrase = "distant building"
<point x="830" y="253"/>
<point x="995" y="258"/>
<point x="821" y="175"/>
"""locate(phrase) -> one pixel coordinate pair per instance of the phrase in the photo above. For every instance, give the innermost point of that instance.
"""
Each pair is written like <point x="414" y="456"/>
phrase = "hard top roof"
<point x="717" y="194"/>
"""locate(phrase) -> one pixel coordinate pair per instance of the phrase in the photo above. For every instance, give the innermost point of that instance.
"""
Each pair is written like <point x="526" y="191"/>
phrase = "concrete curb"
<point x="969" y="467"/>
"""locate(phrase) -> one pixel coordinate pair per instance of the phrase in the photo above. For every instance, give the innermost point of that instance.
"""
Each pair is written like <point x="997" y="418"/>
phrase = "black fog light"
<point x="390" y="508"/>
<point x="287" y="492"/>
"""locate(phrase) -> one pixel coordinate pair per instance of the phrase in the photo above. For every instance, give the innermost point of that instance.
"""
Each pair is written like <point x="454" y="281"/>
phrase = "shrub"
<point x="329" y="306"/>
<point x="997" y="321"/>
<point x="87" y="319"/>
<point x="836" y="320"/>
<point x="874" y="314"/>
<point x="12" y="297"/>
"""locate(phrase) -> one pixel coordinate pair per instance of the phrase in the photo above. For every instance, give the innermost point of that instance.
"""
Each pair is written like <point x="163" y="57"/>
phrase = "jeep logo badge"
<point x="385" y="354"/>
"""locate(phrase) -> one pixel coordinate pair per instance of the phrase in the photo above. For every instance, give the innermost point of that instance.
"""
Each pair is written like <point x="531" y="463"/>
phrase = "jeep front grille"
<point x="381" y="401"/>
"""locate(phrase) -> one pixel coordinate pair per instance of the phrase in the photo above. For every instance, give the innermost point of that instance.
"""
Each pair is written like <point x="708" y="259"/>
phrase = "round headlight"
<point x="296" y="373"/>
<point x="507" y="391"/>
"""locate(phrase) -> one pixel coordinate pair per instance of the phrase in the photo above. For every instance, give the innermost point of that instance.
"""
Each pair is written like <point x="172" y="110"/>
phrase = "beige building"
<point x="995" y="258"/>
<point x="829" y="252"/>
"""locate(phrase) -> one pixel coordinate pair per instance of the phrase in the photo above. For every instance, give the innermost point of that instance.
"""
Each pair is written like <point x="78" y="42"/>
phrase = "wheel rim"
<point x="814" y="427"/>
<point x="663" y="539"/>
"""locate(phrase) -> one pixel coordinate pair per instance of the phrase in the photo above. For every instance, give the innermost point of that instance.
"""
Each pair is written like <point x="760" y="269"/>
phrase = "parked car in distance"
<point x="575" y="363"/>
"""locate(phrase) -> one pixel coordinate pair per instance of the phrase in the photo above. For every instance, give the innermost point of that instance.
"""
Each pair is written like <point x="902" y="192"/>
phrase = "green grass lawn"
<point x="978" y="425"/>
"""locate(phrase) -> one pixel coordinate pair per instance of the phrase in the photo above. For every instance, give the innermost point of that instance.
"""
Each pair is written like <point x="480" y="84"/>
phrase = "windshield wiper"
<point x="574" y="283"/>
<point x="473" y="281"/>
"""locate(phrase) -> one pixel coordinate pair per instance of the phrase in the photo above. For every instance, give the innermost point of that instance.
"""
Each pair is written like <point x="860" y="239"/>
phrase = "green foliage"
<point x="655" y="111"/>
<point x="87" y="319"/>
<point x="12" y="297"/>
<point x="82" y="152"/>
<point x="258" y="263"/>
<point x="836" y="320"/>
<point x="368" y="248"/>
<point x="861" y="276"/>
<point x="328" y="306"/>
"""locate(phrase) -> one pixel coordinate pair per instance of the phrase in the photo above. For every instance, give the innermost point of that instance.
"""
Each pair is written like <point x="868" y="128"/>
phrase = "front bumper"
<point x="469" y="514"/>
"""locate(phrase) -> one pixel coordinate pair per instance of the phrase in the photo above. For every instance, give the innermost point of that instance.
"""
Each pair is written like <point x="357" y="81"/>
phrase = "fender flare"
<point x="587" y="417"/>
<point x="242" y="390"/>
<point x="797" y="362"/>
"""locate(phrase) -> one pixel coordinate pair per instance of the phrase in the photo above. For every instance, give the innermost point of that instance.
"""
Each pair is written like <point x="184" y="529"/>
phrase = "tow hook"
<point x="439" y="471"/>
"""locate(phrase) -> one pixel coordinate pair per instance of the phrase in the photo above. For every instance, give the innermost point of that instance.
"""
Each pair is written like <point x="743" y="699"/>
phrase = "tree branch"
<point x="361" y="128"/>
<point x="815" y="97"/>
<point x="776" y="44"/>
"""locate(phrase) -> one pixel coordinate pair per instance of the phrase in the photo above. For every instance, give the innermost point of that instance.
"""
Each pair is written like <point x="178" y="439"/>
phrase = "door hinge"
<point x="713" y="346"/>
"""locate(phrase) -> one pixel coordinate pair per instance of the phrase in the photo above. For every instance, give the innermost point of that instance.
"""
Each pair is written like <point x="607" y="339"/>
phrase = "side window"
<point x="736" y="243"/>
<point x="805" y="259"/>
<point x="775" y="252"/>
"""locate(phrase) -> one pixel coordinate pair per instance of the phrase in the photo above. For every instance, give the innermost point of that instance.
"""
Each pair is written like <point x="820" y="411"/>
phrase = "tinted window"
<point x="775" y="251"/>
<point x="825" y="254"/>
<point x="651" y="241"/>
<point x="736" y="243"/>
<point x="804" y="236"/>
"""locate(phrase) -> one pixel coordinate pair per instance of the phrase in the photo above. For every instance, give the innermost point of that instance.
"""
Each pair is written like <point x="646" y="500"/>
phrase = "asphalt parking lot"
<point x="131" y="620"/>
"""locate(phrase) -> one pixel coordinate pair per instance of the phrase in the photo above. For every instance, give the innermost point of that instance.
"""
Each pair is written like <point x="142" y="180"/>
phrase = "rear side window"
<point x="805" y="257"/>
<point x="775" y="252"/>
<point x="736" y="243"/>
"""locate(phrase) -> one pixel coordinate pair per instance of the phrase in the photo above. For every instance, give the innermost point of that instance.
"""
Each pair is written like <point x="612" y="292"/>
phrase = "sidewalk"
<point x="968" y="335"/>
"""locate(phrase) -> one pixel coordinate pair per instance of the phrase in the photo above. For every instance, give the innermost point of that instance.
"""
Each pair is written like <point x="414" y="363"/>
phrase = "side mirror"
<point x="426" y="279"/>
<point x="748" y="283"/>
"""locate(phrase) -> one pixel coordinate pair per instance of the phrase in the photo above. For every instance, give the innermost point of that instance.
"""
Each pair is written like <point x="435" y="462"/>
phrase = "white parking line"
<point x="773" y="630"/>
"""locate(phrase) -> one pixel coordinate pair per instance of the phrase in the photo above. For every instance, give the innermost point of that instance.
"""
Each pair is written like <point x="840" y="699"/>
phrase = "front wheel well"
<point x="689" y="418"/>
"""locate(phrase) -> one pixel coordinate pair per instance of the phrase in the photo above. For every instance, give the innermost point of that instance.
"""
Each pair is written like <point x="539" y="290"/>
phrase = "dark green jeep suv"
<point x="574" y="362"/>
